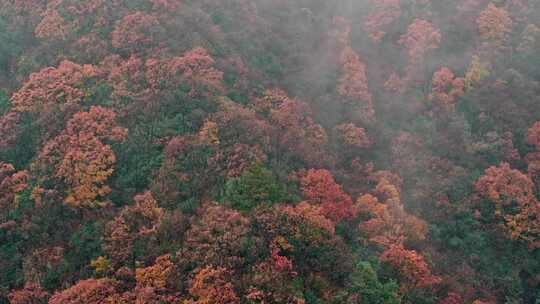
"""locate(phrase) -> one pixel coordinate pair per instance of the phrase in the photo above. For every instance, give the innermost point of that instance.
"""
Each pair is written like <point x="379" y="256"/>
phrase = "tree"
<point x="161" y="276"/>
<point x="239" y="124"/>
<point x="272" y="279"/>
<point x="194" y="68"/>
<point x="53" y="26"/>
<point x="89" y="291"/>
<point x="452" y="298"/>
<point x="494" y="26"/>
<point x="340" y="31"/>
<point x="53" y="89"/>
<point x="298" y="133"/>
<point x="98" y="122"/>
<point x="223" y="148"/>
<point x="64" y="20"/>
<point x="476" y="72"/>
<point x="215" y="238"/>
<point x="80" y="158"/>
<point x="446" y="88"/>
<point x="270" y="99"/>
<point x="186" y="171"/>
<point x="530" y="39"/>
<point x="39" y="263"/>
<point x="533" y="135"/>
<point x="290" y="130"/>
<point x="135" y="32"/>
<point x="319" y="187"/>
<point x="137" y="223"/>
<point x="421" y="37"/>
<point x="306" y="239"/>
<point x="512" y="192"/>
<point x="384" y="14"/>
<point x="12" y="183"/>
<point x="505" y="186"/>
<point x="533" y="158"/>
<point x="365" y="287"/>
<point x="212" y="285"/>
<point x="52" y="95"/>
<point x="89" y="48"/>
<point x="388" y="222"/>
<point x="30" y="294"/>
<point x="102" y="266"/>
<point x="352" y="136"/>
<point x="85" y="168"/>
<point x="9" y="128"/>
<point x="413" y="271"/>
<point x="256" y="186"/>
<point x="126" y="77"/>
<point x="353" y="84"/>
<point x="314" y="214"/>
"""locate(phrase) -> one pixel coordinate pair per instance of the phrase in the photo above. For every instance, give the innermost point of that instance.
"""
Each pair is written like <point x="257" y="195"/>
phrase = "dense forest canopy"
<point x="270" y="151"/>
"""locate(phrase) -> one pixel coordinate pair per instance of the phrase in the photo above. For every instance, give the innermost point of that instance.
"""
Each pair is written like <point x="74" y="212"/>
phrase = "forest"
<point x="270" y="151"/>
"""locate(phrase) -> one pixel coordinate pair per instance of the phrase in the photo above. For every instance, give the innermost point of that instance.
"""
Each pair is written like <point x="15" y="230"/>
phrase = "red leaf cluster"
<point x="319" y="187"/>
<point x="494" y="25"/>
<point x="446" y="88"/>
<point x="53" y="88"/>
<point x="353" y="84"/>
<point x="30" y="294"/>
<point x="384" y="14"/>
<point x="89" y="291"/>
<point x="412" y="268"/>
<point x="135" y="32"/>
<point x="513" y="195"/>
<point x="80" y="157"/>
<point x="353" y="136"/>
<point x="11" y="184"/>
<point x="138" y="222"/>
<point x="211" y="285"/>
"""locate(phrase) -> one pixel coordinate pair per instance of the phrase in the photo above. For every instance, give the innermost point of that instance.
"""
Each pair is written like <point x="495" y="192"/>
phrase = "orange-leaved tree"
<point x="512" y="192"/>
<point x="319" y="187"/>
<point x="80" y="157"/>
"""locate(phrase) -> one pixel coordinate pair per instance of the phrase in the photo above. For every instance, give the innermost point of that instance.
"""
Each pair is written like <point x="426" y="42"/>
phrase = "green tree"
<point x="366" y="287"/>
<point x="255" y="187"/>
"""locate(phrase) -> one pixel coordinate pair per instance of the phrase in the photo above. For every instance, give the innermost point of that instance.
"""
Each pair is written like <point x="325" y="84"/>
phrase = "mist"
<point x="269" y="151"/>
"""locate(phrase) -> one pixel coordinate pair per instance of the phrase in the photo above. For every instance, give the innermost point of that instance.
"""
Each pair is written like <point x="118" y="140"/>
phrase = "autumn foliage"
<point x="133" y="223"/>
<point x="446" y="87"/>
<point x="494" y="25"/>
<point x="269" y="151"/>
<point x="53" y="88"/>
<point x="512" y="192"/>
<point x="411" y="267"/>
<point x="533" y="135"/>
<point x="12" y="183"/>
<point x="319" y="187"/>
<point x="194" y="67"/>
<point x="82" y="160"/>
<point x="353" y="84"/>
<point x="384" y="14"/>
<point x="89" y="291"/>
<point x="421" y="37"/>
<point x="9" y="129"/>
<point x="135" y="32"/>
<point x="353" y="136"/>
<point x="32" y="293"/>
<point x="211" y="285"/>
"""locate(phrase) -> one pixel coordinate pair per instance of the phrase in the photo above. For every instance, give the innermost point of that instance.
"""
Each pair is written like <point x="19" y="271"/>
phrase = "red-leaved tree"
<point x="319" y="187"/>
<point x="512" y="192"/>
<point x="80" y="158"/>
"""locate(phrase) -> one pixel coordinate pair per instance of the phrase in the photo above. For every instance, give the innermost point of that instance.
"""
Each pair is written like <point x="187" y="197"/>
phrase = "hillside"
<point x="270" y="151"/>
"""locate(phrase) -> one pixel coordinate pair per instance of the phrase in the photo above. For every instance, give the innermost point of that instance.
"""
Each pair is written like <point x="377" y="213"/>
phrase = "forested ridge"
<point x="270" y="151"/>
